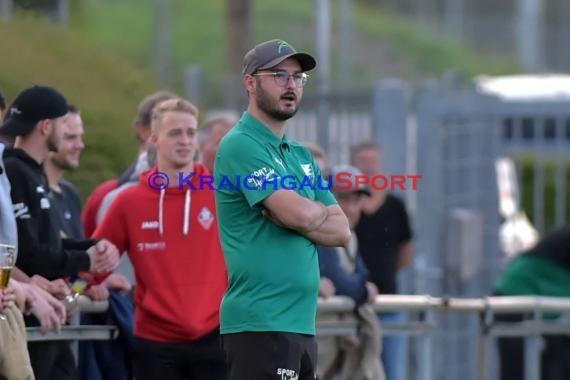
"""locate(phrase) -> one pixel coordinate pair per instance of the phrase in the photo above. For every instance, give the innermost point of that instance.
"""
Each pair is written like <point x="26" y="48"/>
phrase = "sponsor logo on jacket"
<point x="151" y="246"/>
<point x="21" y="211"/>
<point x="149" y="225"/>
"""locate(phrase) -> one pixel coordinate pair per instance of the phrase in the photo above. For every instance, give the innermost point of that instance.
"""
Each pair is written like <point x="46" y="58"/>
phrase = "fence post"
<point x="485" y="345"/>
<point x="6" y="7"/>
<point x="389" y="115"/>
<point x="532" y="351"/>
<point x="62" y="12"/>
<point x="323" y="33"/>
<point x="390" y="108"/>
<point x="430" y="215"/>
<point x="429" y="219"/>
<point x="538" y="196"/>
<point x="529" y="33"/>
<point x="163" y="38"/>
<point x="346" y="38"/>
<point x="193" y="84"/>
<point x="425" y="348"/>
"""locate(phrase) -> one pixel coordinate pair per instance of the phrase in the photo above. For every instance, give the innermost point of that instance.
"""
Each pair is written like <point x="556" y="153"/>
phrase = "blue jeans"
<point x="394" y="349"/>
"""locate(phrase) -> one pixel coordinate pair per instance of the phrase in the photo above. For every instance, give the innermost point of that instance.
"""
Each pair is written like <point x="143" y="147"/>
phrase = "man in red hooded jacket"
<point x="170" y="233"/>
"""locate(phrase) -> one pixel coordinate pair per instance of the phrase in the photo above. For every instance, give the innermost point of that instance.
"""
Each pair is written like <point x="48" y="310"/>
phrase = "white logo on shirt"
<point x="287" y="374"/>
<point x="151" y="246"/>
<point x="21" y="211"/>
<point x="206" y="218"/>
<point x="44" y="204"/>
<point x="279" y="162"/>
<point x="308" y="169"/>
<point x="257" y="178"/>
<point x="149" y="225"/>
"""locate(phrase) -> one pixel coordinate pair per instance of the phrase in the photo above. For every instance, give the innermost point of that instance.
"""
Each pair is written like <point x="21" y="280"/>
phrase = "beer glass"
<point x="7" y="261"/>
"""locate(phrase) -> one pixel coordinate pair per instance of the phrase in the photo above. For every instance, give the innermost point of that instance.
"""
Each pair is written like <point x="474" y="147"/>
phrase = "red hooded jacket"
<point x="172" y="239"/>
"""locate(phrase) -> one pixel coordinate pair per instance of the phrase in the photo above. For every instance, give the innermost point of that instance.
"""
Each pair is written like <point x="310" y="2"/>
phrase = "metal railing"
<point x="486" y="308"/>
<point x="422" y="326"/>
<point x="74" y="331"/>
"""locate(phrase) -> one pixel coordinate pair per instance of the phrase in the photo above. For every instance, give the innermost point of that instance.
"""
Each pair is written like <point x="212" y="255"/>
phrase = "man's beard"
<point x="62" y="163"/>
<point x="52" y="142"/>
<point x="271" y="107"/>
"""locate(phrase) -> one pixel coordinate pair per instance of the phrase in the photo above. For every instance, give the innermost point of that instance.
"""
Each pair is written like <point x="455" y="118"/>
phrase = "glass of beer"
<point x="7" y="261"/>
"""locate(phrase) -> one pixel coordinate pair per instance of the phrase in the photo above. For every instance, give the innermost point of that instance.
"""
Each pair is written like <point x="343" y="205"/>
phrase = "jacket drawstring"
<point x="187" y="202"/>
<point x="160" y="212"/>
<point x="186" y="222"/>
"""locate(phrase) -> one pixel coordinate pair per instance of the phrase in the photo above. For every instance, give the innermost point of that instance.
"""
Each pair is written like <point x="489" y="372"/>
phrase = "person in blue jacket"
<point x="343" y="265"/>
<point x="345" y="269"/>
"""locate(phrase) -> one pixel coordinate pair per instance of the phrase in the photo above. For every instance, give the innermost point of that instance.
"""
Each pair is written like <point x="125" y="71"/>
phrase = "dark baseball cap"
<point x="30" y="106"/>
<point x="271" y="53"/>
<point x="344" y="181"/>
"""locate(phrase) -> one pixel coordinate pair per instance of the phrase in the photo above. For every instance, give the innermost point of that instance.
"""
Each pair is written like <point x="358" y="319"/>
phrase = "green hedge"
<point x="106" y="87"/>
<point x="527" y="181"/>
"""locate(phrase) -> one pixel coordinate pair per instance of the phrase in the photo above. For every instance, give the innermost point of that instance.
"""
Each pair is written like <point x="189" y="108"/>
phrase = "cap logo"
<point x="15" y="111"/>
<point x="282" y="45"/>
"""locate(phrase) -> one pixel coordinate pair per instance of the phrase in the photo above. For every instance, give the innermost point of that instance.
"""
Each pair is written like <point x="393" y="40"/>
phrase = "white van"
<point x="526" y="87"/>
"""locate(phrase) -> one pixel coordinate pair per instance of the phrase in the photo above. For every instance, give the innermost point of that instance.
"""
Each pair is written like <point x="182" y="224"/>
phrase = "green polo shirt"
<point x="532" y="275"/>
<point x="273" y="271"/>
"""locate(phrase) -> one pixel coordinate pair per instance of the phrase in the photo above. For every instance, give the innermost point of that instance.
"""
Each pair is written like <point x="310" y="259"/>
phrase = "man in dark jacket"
<point x="2" y="105"/>
<point x="543" y="270"/>
<point x="35" y="119"/>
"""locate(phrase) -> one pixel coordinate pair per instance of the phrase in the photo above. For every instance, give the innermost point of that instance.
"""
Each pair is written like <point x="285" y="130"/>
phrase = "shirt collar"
<point x="263" y="131"/>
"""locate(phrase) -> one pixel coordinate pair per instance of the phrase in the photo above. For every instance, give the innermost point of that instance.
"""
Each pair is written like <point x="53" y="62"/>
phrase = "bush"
<point x="106" y="87"/>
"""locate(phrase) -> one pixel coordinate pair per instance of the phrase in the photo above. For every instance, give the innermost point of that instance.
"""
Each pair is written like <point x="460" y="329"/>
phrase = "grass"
<point x="431" y="52"/>
<point x="124" y="26"/>
<point x="385" y="44"/>
<point x="128" y="27"/>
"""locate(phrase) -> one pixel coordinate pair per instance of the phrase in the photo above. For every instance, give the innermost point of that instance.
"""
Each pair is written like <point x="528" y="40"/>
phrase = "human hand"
<point x="118" y="282"/>
<point x="104" y="257"/>
<point x="326" y="288"/>
<point x="40" y="282"/>
<point x="59" y="289"/>
<point x="7" y="298"/>
<point x="46" y="308"/>
<point x="97" y="292"/>
<point x="372" y="292"/>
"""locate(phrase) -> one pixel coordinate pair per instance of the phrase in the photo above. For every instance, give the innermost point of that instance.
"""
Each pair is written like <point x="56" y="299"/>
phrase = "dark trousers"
<point x="555" y="357"/>
<point x="109" y="360"/>
<point x="270" y="356"/>
<point x="52" y="360"/>
<point x="201" y="359"/>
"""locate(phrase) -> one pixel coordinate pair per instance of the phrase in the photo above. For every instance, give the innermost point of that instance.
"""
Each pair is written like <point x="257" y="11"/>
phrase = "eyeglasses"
<point x="282" y="78"/>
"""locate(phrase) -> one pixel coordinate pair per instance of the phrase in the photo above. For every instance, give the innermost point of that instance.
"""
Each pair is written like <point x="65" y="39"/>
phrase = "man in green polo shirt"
<point x="270" y="220"/>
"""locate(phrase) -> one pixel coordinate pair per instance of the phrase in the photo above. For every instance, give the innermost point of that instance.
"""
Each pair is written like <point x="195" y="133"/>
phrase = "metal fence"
<point x="540" y="130"/>
<point x="422" y="327"/>
<point x="348" y="121"/>
<point x="456" y="218"/>
<point x="452" y="138"/>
